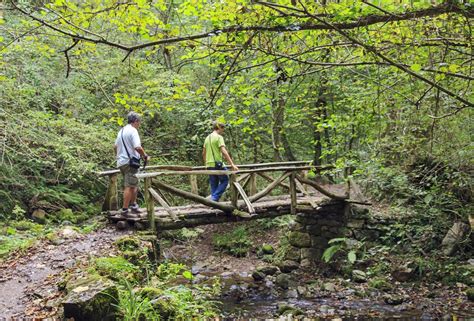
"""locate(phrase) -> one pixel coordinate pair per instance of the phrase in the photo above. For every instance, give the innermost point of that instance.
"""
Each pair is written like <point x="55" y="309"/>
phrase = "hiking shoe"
<point x="135" y="208"/>
<point x="124" y="211"/>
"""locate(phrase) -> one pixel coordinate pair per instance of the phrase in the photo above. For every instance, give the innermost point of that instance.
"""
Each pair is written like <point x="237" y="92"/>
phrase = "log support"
<point x="293" y="193"/>
<point x="111" y="196"/>
<point x="150" y="204"/>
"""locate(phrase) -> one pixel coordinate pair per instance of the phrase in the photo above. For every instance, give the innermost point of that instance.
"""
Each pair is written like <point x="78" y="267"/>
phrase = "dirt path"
<point x="28" y="283"/>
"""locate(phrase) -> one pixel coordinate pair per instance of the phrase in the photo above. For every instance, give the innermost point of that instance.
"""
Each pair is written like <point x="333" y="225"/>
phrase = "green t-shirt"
<point x="213" y="144"/>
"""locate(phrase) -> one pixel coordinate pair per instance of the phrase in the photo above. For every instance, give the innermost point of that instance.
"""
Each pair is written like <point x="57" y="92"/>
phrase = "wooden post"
<point x="194" y="184"/>
<point x="293" y="192"/>
<point x="253" y="184"/>
<point x="150" y="204"/>
<point x="111" y="196"/>
<point x="233" y="190"/>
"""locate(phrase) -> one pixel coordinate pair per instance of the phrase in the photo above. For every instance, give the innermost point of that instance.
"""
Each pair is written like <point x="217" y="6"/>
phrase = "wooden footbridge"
<point x="298" y="193"/>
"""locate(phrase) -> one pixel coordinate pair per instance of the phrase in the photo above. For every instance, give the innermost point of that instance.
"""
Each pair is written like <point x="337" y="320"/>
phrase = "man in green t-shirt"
<point x="213" y="153"/>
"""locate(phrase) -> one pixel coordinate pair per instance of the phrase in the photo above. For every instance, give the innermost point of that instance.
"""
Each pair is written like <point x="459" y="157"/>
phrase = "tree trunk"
<point x="278" y="105"/>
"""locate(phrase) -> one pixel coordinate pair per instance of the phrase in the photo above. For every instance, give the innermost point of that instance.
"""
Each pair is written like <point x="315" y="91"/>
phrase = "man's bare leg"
<point x="128" y="194"/>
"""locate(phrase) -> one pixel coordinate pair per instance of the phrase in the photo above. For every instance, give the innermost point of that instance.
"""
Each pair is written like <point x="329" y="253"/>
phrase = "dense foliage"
<point x="383" y="88"/>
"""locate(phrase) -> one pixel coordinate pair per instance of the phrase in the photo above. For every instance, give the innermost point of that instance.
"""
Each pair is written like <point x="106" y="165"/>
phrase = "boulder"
<point x="292" y="253"/>
<point x="39" y="216"/>
<point x="393" y="299"/>
<point x="330" y="287"/>
<point x="268" y="270"/>
<point x="91" y="299"/>
<point x="258" y="276"/>
<point x="288" y="265"/>
<point x="406" y="272"/>
<point x="454" y="237"/>
<point x="359" y="276"/>
<point x="283" y="281"/>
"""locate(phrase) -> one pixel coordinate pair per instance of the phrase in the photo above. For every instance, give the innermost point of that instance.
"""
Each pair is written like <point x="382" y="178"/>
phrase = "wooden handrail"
<point x="242" y="166"/>
<point x="221" y="172"/>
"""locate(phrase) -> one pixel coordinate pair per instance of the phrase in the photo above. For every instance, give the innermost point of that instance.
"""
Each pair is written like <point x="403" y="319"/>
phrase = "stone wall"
<point x="310" y="234"/>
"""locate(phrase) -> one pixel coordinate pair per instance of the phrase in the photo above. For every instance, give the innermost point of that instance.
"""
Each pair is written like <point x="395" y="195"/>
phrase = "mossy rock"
<point x="39" y="216"/>
<point x="285" y="309"/>
<point x="91" y="299"/>
<point x="66" y="214"/>
<point x="128" y="244"/>
<point x="150" y="292"/>
<point x="268" y="249"/>
<point x="470" y="294"/>
<point x="299" y="239"/>
<point x="380" y="284"/>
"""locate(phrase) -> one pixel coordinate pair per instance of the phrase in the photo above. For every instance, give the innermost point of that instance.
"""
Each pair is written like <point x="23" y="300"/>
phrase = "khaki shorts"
<point x="129" y="178"/>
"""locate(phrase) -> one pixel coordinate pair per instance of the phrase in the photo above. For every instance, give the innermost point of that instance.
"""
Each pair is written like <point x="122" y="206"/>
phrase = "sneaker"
<point x="124" y="211"/>
<point x="135" y="208"/>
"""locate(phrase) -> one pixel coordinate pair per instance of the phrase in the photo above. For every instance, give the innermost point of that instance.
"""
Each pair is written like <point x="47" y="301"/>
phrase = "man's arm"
<point x="115" y="150"/>
<point x="228" y="158"/>
<point x="142" y="153"/>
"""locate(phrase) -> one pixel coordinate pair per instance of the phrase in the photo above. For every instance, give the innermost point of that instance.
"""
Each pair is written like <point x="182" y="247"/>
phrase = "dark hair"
<point x="217" y="125"/>
<point x="133" y="117"/>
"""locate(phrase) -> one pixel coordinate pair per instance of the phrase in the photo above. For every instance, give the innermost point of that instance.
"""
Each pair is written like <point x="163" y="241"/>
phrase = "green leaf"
<point x="188" y="275"/>
<point x="329" y="252"/>
<point x="351" y="256"/>
<point x="415" y="67"/>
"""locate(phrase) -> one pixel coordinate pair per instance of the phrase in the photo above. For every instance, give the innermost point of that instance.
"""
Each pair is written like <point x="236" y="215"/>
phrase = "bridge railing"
<point x="292" y="177"/>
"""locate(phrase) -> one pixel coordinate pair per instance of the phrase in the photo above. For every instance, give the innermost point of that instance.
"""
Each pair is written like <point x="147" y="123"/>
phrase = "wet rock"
<point x="454" y="237"/>
<point x="300" y="239"/>
<point x="91" y="299"/>
<point x="291" y="294"/>
<point x="268" y="270"/>
<point x="470" y="294"/>
<point x="258" y="276"/>
<point x="285" y="309"/>
<point x="39" y="216"/>
<point x="330" y="287"/>
<point x="393" y="299"/>
<point x="288" y="266"/>
<point x="303" y="291"/>
<point x="268" y="249"/>
<point x="283" y="281"/>
<point x="359" y="276"/>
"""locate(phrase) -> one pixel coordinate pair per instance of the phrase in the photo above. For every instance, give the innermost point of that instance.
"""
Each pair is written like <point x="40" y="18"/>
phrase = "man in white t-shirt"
<point x="128" y="145"/>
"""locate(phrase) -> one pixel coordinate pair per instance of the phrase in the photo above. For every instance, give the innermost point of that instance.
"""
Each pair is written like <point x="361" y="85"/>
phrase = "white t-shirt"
<point x="132" y="141"/>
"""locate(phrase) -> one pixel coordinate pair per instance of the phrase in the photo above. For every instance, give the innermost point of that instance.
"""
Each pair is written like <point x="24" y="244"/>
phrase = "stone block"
<point x="311" y="254"/>
<point x="299" y="239"/>
<point x="319" y="242"/>
<point x="293" y="253"/>
<point x="313" y="229"/>
<point x="355" y="223"/>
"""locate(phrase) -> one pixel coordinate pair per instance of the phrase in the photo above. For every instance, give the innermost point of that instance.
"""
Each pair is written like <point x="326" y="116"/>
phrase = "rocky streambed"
<point x="296" y="294"/>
